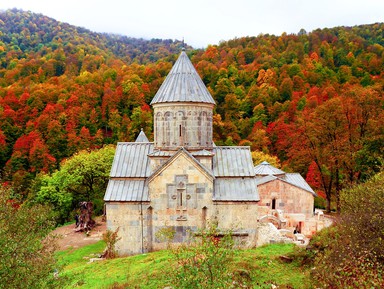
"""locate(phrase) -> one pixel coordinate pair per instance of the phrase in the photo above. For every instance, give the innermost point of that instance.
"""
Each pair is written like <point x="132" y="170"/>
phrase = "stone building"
<point x="182" y="180"/>
<point x="287" y="193"/>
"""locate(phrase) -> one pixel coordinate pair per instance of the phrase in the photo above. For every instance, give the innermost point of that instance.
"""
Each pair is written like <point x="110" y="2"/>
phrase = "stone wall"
<point x="288" y="198"/>
<point x="239" y="217"/>
<point x="181" y="198"/>
<point x="183" y="125"/>
<point x="127" y="217"/>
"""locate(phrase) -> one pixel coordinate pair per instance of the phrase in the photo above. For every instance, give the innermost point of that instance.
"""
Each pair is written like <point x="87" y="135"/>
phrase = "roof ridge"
<point x="183" y="84"/>
<point x="172" y="158"/>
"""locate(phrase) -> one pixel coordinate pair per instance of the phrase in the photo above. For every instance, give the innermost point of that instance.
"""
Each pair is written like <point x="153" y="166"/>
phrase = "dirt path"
<point x="68" y="238"/>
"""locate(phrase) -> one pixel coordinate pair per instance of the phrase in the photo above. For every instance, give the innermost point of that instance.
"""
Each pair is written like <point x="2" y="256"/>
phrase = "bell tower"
<point x="183" y="110"/>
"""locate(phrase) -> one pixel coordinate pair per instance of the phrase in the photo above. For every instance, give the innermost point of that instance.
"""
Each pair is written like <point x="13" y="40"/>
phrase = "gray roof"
<point x="265" y="179"/>
<point x="158" y="153"/>
<point x="294" y="179"/>
<point x="131" y="160"/>
<point x="265" y="169"/>
<point x="233" y="161"/>
<point x="180" y="151"/>
<point x="233" y="172"/>
<point x="141" y="137"/>
<point x="126" y="191"/>
<point x="183" y="84"/>
<point x="202" y="153"/>
<point x="235" y="189"/>
<point x="297" y="180"/>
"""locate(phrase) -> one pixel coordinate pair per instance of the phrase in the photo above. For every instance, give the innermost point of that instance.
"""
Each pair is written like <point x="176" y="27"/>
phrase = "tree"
<point x="27" y="251"/>
<point x="323" y="141"/>
<point x="83" y="177"/>
<point x="258" y="157"/>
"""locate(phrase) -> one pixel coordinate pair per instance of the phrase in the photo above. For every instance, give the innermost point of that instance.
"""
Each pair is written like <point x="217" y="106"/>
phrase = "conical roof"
<point x="265" y="169"/>
<point x="141" y="137"/>
<point x="183" y="84"/>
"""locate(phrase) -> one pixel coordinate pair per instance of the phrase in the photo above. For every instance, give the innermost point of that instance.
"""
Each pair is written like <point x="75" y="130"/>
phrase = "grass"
<point x="150" y="270"/>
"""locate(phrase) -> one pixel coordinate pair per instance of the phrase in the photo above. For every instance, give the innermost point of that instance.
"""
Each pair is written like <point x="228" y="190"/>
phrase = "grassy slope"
<point x="150" y="270"/>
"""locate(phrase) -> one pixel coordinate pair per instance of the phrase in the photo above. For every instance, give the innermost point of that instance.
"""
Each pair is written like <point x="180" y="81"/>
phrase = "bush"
<point x="26" y="249"/>
<point x="110" y="238"/>
<point x="205" y="262"/>
<point x="350" y="254"/>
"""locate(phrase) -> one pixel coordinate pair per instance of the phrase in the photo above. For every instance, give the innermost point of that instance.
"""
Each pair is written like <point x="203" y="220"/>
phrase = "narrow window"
<point x="180" y="130"/>
<point x="204" y="217"/>
<point x="181" y="198"/>
<point x="273" y="204"/>
<point x="149" y="228"/>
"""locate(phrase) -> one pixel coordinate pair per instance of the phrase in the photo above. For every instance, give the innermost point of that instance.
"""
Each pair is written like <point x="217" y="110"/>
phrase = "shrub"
<point x="111" y="238"/>
<point x="350" y="254"/>
<point x="26" y="248"/>
<point x="166" y="234"/>
<point x="205" y="262"/>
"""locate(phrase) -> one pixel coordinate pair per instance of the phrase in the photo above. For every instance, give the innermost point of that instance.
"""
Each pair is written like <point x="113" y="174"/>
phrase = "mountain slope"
<point x="65" y="88"/>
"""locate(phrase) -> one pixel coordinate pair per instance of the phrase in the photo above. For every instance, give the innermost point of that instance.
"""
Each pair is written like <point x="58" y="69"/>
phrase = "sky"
<point x="204" y="22"/>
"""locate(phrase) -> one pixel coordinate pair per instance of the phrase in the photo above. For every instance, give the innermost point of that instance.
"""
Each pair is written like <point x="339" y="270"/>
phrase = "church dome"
<point x="183" y="84"/>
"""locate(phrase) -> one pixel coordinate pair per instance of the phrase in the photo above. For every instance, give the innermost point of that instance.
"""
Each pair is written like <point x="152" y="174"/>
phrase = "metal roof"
<point x="131" y="160"/>
<point x="202" y="153"/>
<point x="262" y="180"/>
<point x="182" y="150"/>
<point x="294" y="179"/>
<point x="126" y="190"/>
<point x="183" y="84"/>
<point x="235" y="189"/>
<point x="158" y="153"/>
<point x="297" y="180"/>
<point x="234" y="161"/>
<point x="265" y="169"/>
<point x="141" y="137"/>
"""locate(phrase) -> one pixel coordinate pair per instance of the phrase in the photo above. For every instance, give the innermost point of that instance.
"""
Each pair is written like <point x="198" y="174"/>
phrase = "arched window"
<point x="180" y="127"/>
<point x="203" y="128"/>
<point x="168" y="127"/>
<point x="159" y="133"/>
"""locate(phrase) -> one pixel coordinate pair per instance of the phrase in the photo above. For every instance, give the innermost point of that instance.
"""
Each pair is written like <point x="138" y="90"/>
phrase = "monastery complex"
<point x="184" y="182"/>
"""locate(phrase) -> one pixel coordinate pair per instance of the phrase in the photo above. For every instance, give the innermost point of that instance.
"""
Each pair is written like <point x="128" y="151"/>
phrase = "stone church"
<point x="183" y="181"/>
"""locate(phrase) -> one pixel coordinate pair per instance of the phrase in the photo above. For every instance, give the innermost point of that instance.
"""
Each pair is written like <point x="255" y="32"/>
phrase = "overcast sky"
<point x="203" y="22"/>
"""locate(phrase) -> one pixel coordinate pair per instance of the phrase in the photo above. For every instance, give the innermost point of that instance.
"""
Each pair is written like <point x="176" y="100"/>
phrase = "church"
<point x="183" y="181"/>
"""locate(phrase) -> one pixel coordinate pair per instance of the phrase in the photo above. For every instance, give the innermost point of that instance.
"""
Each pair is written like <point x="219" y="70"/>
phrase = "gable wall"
<point x="176" y="207"/>
<point x="289" y="198"/>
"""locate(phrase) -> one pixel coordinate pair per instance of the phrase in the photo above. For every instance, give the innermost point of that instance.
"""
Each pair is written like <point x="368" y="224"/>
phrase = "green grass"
<point x="150" y="270"/>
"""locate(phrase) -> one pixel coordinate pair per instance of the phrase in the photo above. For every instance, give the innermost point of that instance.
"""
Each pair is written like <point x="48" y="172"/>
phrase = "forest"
<point x="314" y="100"/>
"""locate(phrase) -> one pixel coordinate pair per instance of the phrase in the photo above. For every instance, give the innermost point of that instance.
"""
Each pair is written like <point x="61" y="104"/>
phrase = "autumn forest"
<point x="313" y="99"/>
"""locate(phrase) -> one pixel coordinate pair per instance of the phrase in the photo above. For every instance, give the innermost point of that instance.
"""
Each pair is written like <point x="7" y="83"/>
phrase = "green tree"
<point x="83" y="177"/>
<point x="26" y="250"/>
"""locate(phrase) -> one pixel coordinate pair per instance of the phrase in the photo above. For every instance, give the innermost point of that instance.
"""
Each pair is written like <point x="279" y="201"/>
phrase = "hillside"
<point x="153" y="270"/>
<point x="26" y="32"/>
<point x="314" y="99"/>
